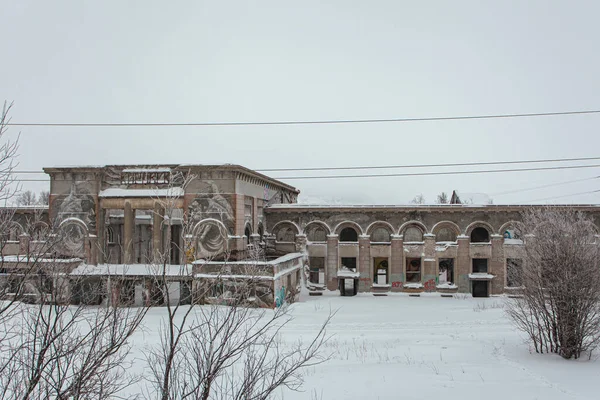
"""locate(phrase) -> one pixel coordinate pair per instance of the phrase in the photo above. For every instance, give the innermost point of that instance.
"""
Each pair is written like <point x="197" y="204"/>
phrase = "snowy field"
<point x="400" y="347"/>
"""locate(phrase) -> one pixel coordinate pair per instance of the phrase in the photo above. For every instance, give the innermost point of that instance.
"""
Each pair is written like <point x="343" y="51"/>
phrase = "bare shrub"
<point x="559" y="306"/>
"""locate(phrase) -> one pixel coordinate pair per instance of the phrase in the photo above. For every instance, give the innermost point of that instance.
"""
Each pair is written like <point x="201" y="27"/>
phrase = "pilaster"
<point x="497" y="264"/>
<point x="332" y="262"/>
<point x="397" y="263"/>
<point x="463" y="264"/>
<point x="365" y="264"/>
<point x="128" y="231"/>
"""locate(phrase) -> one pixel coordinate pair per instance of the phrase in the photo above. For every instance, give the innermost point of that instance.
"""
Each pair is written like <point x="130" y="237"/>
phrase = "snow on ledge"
<point x="117" y="192"/>
<point x="482" y="276"/>
<point x="413" y="286"/>
<point x="446" y="286"/>
<point x="347" y="273"/>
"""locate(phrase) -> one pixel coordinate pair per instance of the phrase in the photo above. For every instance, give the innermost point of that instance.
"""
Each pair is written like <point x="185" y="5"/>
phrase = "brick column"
<point x="497" y="264"/>
<point x="396" y="264"/>
<point x="462" y="268"/>
<point x="128" y="231"/>
<point x="101" y="247"/>
<point x="365" y="263"/>
<point x="158" y="215"/>
<point x="430" y="275"/>
<point x="331" y="262"/>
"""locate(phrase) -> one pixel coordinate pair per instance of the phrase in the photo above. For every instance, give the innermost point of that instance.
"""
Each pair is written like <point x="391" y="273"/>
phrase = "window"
<point x="445" y="235"/>
<point x="480" y="235"/>
<point x="317" y="269"/>
<point x="316" y="233"/>
<point x="380" y="235"/>
<point x="381" y="271"/>
<point x="514" y="272"/>
<point x="446" y="270"/>
<point x="285" y="234"/>
<point x="349" y="262"/>
<point x="413" y="234"/>
<point x="413" y="270"/>
<point x="480" y="265"/>
<point x="348" y="235"/>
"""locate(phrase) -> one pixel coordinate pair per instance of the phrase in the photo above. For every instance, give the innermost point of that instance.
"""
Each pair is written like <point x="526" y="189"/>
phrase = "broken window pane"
<point x="480" y="235"/>
<point x="446" y="270"/>
<point x="413" y="270"/>
<point x="381" y="271"/>
<point x="349" y="262"/>
<point x="480" y="265"/>
<point x="348" y="235"/>
<point x="317" y="269"/>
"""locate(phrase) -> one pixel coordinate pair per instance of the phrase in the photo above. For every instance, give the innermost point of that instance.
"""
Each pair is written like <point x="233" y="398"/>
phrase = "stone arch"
<point x="286" y="230"/>
<point x="15" y="230"/>
<point x="348" y="224"/>
<point x="479" y="224"/>
<point x="445" y="225"/>
<point x="412" y="225"/>
<point x="506" y="227"/>
<point x="313" y="226"/>
<point x="210" y="236"/>
<point x="39" y="231"/>
<point x="376" y="236"/>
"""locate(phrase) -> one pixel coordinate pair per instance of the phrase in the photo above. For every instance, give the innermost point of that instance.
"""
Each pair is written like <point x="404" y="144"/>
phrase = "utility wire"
<point x="565" y="195"/>
<point x="395" y="175"/>
<point x="439" y="173"/>
<point x="314" y="122"/>
<point x="397" y="166"/>
<point x="429" y="165"/>
<point x="544" y="186"/>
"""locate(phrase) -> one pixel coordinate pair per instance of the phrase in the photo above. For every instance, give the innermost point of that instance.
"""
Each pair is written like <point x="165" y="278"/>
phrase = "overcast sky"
<point x="215" y="61"/>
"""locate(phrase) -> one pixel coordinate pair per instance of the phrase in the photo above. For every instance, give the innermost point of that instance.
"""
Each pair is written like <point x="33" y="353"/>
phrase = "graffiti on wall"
<point x="280" y="297"/>
<point x="429" y="285"/>
<point x="397" y="284"/>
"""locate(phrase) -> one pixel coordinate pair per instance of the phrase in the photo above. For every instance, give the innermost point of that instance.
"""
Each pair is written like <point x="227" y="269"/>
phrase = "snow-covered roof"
<point x="132" y="270"/>
<point x="118" y="192"/>
<point x="146" y="170"/>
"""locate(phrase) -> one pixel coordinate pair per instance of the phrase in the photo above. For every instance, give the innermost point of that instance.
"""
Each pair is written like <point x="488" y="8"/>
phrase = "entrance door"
<point x="480" y="289"/>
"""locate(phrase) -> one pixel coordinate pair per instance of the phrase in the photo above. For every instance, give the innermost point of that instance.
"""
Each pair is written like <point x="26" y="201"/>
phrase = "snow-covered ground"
<point x="423" y="348"/>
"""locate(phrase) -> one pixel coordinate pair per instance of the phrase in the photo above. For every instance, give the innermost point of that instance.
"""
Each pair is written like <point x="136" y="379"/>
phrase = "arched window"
<point x="413" y="234"/>
<point x="316" y="233"/>
<point x="380" y="235"/>
<point x="110" y="235"/>
<point x="247" y="233"/>
<point x="285" y="233"/>
<point x="261" y="232"/>
<point x="348" y="235"/>
<point x="480" y="235"/>
<point x="445" y="235"/>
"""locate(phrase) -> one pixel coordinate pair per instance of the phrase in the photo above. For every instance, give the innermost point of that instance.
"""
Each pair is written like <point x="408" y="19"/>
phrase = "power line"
<point x="439" y="173"/>
<point x="544" y="186"/>
<point x="565" y="195"/>
<point x="396" y="175"/>
<point x="429" y="165"/>
<point x="468" y="164"/>
<point x="313" y="122"/>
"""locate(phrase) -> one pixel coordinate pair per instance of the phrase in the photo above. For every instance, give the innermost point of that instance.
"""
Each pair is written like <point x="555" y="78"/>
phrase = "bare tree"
<point x="27" y="198"/>
<point x="442" y="198"/>
<point x="8" y="158"/>
<point x="560" y="305"/>
<point x="418" y="199"/>
<point x="226" y="349"/>
<point x="44" y="198"/>
<point x="54" y="343"/>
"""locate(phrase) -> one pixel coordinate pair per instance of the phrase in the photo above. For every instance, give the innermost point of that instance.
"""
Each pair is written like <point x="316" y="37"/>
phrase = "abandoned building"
<point x="209" y="223"/>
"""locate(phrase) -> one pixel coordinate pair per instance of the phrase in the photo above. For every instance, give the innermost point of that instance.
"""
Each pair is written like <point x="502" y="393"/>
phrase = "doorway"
<point x="480" y="289"/>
